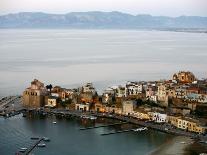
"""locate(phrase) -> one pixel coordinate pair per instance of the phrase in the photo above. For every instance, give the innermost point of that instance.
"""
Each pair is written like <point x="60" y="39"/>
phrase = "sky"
<point x="154" y="7"/>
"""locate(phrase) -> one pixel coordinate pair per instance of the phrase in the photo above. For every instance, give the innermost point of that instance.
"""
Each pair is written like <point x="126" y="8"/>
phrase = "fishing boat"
<point x="54" y="122"/>
<point x="46" y="139"/>
<point x="23" y="149"/>
<point x="34" y="138"/>
<point x="41" y="145"/>
<point x="92" y="117"/>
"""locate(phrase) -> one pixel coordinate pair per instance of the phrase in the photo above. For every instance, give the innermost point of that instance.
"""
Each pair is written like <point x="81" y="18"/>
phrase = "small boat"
<point x="23" y="149"/>
<point x="54" y="122"/>
<point x="203" y="141"/>
<point x="46" y="139"/>
<point x="34" y="138"/>
<point x="140" y="129"/>
<point x="182" y="142"/>
<point x="41" y="145"/>
<point x="93" y="117"/>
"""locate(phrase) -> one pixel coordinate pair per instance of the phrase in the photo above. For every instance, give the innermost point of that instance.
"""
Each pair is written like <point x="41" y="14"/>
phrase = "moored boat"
<point x="41" y="145"/>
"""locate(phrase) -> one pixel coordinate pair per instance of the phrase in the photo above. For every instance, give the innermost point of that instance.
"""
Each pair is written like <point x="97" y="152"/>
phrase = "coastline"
<point x="175" y="146"/>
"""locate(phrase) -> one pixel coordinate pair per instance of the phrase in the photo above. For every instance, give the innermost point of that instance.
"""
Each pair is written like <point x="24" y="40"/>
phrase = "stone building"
<point x="184" y="77"/>
<point x="34" y="96"/>
<point x="128" y="107"/>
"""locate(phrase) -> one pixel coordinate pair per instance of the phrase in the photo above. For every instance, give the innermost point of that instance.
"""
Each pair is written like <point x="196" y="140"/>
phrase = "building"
<point x="82" y="106"/>
<point x="151" y="93"/>
<point x="34" y="96"/>
<point x="120" y="91"/>
<point x="51" y="101"/>
<point x="133" y="89"/>
<point x="141" y="114"/>
<point x="162" y="94"/>
<point x="188" y="124"/>
<point x="88" y="88"/>
<point x="184" y="77"/>
<point x="128" y="107"/>
<point x="158" y="117"/>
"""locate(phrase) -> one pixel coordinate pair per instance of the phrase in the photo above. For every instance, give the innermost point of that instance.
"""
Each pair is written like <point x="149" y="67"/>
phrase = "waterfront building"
<point x="141" y="114"/>
<point x="184" y="77"/>
<point x="51" y="101"/>
<point x="188" y="124"/>
<point x="158" y="117"/>
<point x="128" y="107"/>
<point x="114" y="109"/>
<point x="100" y="107"/>
<point x="83" y="106"/>
<point x="34" y="96"/>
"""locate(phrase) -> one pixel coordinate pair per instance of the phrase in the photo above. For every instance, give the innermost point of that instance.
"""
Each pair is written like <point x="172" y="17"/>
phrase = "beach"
<point x="175" y="146"/>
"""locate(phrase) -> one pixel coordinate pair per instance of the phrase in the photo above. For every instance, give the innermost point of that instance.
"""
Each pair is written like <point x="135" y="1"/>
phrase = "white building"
<point x="133" y="88"/>
<point x="158" y="117"/>
<point x="88" y="88"/>
<point x="82" y="106"/>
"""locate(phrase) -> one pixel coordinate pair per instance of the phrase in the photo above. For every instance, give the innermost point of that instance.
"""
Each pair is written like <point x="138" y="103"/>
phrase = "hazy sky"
<point x="153" y="7"/>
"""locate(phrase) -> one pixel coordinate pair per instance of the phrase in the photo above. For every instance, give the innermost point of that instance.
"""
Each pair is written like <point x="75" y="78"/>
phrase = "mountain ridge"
<point x="99" y="19"/>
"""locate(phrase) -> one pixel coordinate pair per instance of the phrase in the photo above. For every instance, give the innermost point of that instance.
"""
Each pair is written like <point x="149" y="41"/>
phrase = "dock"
<point x="116" y="132"/>
<point x="100" y="126"/>
<point x="122" y="131"/>
<point x="33" y="147"/>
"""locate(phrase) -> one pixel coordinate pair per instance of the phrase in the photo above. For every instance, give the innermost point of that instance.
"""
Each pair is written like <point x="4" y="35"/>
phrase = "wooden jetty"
<point x="116" y="132"/>
<point x="100" y="126"/>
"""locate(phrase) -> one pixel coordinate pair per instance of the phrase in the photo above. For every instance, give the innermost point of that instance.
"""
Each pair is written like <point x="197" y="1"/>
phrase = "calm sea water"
<point x="105" y="57"/>
<point x="66" y="138"/>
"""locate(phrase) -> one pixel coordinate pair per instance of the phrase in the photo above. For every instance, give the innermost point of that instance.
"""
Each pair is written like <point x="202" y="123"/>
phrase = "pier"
<point x="100" y="126"/>
<point x="122" y="131"/>
<point x="116" y="132"/>
<point x="33" y="147"/>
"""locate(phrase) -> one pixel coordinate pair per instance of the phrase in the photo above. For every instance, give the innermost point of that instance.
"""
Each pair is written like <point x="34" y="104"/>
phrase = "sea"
<point x="70" y="58"/>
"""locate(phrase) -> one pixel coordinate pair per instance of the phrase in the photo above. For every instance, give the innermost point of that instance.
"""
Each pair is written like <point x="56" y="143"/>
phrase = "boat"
<point x="34" y="138"/>
<point x="182" y="142"/>
<point x="41" y="145"/>
<point x="92" y="117"/>
<point x="140" y="129"/>
<point x="203" y="142"/>
<point x="23" y="149"/>
<point x="54" y="122"/>
<point x="46" y="139"/>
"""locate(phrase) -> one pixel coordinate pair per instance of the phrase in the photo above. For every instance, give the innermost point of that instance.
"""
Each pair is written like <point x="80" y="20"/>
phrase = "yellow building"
<point x="173" y="120"/>
<point x="34" y="96"/>
<point x="140" y="114"/>
<point x="51" y="101"/>
<point x="188" y="124"/>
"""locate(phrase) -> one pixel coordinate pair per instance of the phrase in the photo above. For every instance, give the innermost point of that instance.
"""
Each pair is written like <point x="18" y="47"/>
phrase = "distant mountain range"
<point x="100" y="20"/>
